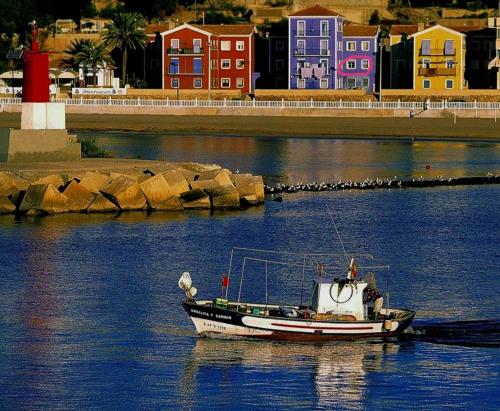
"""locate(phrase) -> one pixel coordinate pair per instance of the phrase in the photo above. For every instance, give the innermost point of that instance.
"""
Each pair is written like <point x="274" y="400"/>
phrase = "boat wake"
<point x="478" y="333"/>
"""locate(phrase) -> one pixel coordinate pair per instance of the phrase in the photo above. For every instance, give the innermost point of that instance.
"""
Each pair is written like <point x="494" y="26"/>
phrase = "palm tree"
<point x="126" y="32"/>
<point x="88" y="53"/>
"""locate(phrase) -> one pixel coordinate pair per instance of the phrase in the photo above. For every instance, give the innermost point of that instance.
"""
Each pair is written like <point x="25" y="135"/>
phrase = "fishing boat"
<point x="338" y="308"/>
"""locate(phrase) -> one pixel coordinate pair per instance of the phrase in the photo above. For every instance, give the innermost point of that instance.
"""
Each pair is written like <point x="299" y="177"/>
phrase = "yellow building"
<point x="438" y="59"/>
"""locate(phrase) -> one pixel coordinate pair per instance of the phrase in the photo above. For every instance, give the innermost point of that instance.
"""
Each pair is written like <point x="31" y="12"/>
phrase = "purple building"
<point x="314" y="36"/>
<point x="323" y="57"/>
<point x="358" y="66"/>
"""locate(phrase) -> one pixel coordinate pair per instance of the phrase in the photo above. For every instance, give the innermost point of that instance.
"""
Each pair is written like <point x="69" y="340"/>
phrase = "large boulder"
<point x="250" y="187"/>
<point x="101" y="204"/>
<point x="55" y="179"/>
<point x="93" y="182"/>
<point x="195" y="199"/>
<point x="6" y="206"/>
<point x="125" y="193"/>
<point x="156" y="190"/>
<point x="45" y="198"/>
<point x="172" y="204"/>
<point x="189" y="175"/>
<point x="176" y="180"/>
<point x="204" y="184"/>
<point x="221" y="175"/>
<point x="224" y="196"/>
<point x="79" y="198"/>
<point x="8" y="185"/>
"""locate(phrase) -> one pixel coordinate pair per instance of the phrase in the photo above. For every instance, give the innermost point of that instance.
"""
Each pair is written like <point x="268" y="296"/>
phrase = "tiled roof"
<point x="227" y="29"/>
<point x="360" y="31"/>
<point x="315" y="11"/>
<point x="399" y="29"/>
<point x="413" y="28"/>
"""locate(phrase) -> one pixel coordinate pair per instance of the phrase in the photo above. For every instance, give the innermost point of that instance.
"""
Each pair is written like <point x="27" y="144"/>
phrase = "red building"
<point x="209" y="57"/>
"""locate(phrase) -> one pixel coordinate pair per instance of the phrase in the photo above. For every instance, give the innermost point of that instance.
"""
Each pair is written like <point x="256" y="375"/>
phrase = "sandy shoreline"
<point x="465" y="129"/>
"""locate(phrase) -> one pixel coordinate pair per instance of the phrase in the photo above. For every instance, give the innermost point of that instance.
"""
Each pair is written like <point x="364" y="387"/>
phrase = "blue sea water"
<point x="90" y="314"/>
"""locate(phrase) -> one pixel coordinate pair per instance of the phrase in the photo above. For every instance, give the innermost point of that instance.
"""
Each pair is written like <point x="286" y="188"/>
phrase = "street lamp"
<point x="381" y="48"/>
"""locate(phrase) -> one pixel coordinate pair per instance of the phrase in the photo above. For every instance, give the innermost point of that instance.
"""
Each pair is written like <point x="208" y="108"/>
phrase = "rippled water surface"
<point x="307" y="159"/>
<point x="90" y="312"/>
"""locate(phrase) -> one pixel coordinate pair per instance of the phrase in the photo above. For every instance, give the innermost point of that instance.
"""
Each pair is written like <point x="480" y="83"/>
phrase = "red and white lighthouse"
<point x="36" y="79"/>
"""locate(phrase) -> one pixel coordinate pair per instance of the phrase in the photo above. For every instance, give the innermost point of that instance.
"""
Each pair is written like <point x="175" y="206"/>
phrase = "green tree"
<point x="88" y="53"/>
<point x="126" y="32"/>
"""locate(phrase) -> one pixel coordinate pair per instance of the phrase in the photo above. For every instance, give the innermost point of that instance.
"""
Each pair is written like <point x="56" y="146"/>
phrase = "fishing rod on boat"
<point x="338" y="234"/>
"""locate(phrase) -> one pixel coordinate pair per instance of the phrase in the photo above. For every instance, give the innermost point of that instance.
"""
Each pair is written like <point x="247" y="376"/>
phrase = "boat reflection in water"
<point x="336" y="372"/>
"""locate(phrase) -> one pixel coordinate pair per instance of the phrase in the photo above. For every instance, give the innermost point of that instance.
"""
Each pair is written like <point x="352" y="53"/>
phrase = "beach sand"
<point x="465" y="129"/>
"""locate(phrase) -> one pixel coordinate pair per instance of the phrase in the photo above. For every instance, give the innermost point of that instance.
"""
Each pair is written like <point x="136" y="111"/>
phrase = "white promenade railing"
<point x="307" y="104"/>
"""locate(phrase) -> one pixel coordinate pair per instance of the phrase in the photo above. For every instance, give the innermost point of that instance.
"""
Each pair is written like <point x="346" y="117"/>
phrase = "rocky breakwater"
<point x="172" y="188"/>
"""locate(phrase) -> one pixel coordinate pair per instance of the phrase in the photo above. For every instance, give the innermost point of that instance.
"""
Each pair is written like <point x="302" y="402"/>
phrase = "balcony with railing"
<point x="437" y="52"/>
<point x="312" y="33"/>
<point x="193" y="51"/>
<point x="437" y="71"/>
<point x="311" y="52"/>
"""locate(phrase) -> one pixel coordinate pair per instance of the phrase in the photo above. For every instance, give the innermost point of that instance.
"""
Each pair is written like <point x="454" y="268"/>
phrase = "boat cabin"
<point x="340" y="297"/>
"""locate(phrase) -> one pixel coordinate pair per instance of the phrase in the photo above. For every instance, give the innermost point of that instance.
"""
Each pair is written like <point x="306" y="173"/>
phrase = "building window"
<point x="427" y="83"/>
<point x="365" y="45"/>
<point x="197" y="66"/>
<point x="197" y="83"/>
<point x="301" y="28"/>
<point x="225" y="64"/>
<point x="449" y="47"/>
<point x="363" y="82"/>
<point x="280" y="45"/>
<point x="301" y="83"/>
<point x="351" y="46"/>
<point x="426" y="63"/>
<point x="196" y="46"/>
<point x="324" y="63"/>
<point x="174" y="83"/>
<point x="225" y="82"/>
<point x="240" y="45"/>
<point x="301" y="47"/>
<point x="449" y="64"/>
<point x="225" y="45"/>
<point x="426" y="48"/>
<point x="323" y="48"/>
<point x="174" y="43"/>
<point x="449" y="83"/>
<point x="280" y="64"/>
<point x="240" y="82"/>
<point x="365" y="64"/>
<point x="323" y="83"/>
<point x="173" y="67"/>
<point x="350" y="82"/>
<point x="324" y="28"/>
<point x="351" y="64"/>
<point x="240" y="64"/>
